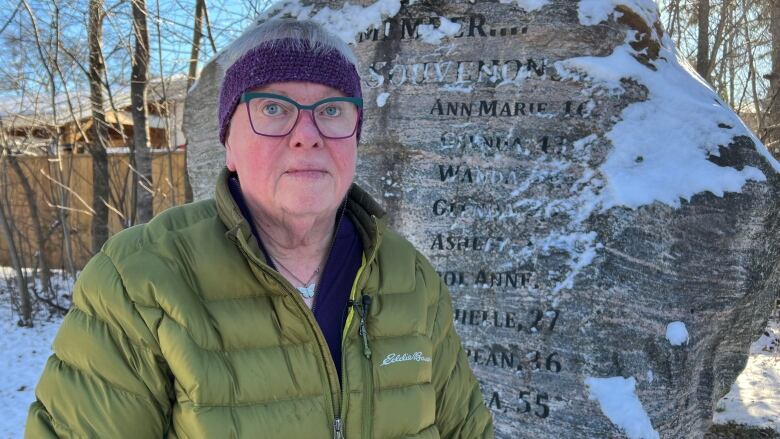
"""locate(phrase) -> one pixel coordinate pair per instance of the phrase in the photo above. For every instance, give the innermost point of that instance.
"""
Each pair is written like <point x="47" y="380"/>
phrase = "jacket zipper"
<point x="367" y="369"/>
<point x="358" y="285"/>
<point x="338" y="424"/>
<point x="367" y="374"/>
<point x="309" y="317"/>
<point x="337" y="432"/>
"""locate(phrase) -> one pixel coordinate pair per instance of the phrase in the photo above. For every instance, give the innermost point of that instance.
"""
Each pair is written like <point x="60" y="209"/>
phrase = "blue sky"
<point x="172" y="43"/>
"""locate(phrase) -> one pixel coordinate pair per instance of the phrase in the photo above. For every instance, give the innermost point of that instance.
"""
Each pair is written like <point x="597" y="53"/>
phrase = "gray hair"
<point x="319" y="39"/>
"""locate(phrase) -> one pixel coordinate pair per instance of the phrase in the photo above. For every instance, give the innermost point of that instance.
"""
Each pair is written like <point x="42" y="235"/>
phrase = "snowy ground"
<point x="23" y="352"/>
<point x="754" y="399"/>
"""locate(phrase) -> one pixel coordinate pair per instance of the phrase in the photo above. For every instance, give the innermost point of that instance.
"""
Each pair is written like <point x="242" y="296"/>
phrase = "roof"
<point x="36" y="110"/>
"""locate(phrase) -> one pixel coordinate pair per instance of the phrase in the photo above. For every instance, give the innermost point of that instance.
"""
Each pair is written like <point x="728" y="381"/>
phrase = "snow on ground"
<point x="754" y="398"/>
<point x="23" y="353"/>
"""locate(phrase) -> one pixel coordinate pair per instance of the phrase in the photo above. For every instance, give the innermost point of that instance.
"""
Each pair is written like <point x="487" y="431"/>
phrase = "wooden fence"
<point x="66" y="185"/>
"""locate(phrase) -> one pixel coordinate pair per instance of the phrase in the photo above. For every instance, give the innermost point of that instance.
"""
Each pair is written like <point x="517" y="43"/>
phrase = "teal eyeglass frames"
<point x="276" y="115"/>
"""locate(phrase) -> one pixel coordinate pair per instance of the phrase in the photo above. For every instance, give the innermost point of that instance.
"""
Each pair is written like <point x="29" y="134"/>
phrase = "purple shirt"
<point x="330" y="303"/>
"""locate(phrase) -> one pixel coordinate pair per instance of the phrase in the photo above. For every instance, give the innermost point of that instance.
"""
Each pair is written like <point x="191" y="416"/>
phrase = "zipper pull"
<point x="337" y="429"/>
<point x="366" y="302"/>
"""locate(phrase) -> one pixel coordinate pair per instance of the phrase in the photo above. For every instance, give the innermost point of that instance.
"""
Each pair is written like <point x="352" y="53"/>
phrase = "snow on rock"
<point x="660" y="145"/>
<point x="618" y="401"/>
<point x="580" y="246"/>
<point x="677" y="333"/>
<point x="593" y="12"/>
<point x="528" y="5"/>
<point x="456" y="88"/>
<point x="433" y="35"/>
<point x="381" y="99"/>
<point x="347" y="22"/>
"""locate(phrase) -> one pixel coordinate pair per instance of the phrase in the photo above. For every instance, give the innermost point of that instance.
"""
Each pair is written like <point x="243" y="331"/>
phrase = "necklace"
<point x="309" y="289"/>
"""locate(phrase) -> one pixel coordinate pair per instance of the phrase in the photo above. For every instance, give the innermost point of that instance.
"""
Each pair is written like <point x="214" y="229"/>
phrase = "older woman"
<point x="284" y="307"/>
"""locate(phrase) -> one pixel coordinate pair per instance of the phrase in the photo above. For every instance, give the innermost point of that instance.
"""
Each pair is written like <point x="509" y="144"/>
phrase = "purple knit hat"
<point x="283" y="60"/>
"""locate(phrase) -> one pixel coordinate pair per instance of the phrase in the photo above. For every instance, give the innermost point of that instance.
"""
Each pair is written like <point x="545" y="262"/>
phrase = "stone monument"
<point x="604" y="222"/>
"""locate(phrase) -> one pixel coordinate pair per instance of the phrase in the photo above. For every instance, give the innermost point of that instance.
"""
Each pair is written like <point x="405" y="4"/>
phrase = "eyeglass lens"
<point x="276" y="117"/>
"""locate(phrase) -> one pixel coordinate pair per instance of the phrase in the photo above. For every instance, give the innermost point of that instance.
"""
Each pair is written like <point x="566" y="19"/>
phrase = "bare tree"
<point x="28" y="191"/>
<point x="703" y="51"/>
<point x="5" y="228"/>
<point x="97" y="145"/>
<point x="731" y="44"/>
<point x="773" y="104"/>
<point x="140" y="156"/>
<point x="197" y="35"/>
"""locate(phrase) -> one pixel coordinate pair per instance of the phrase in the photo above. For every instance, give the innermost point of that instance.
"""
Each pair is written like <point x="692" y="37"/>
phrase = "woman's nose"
<point x="305" y="131"/>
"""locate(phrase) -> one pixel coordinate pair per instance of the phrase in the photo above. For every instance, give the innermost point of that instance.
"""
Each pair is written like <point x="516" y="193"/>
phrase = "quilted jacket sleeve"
<point x="460" y="407"/>
<point x="105" y="378"/>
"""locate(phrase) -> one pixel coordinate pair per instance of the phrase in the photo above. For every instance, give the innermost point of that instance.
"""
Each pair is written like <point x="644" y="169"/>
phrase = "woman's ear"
<point x="230" y="163"/>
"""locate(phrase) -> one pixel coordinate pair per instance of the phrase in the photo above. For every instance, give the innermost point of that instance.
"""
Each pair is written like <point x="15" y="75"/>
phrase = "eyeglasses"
<point x="275" y="115"/>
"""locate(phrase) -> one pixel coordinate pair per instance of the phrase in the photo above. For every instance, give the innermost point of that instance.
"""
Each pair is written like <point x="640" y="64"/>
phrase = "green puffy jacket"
<point x="179" y="329"/>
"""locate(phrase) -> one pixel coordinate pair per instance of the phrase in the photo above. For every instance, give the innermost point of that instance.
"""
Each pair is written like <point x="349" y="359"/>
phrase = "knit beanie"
<point x="284" y="60"/>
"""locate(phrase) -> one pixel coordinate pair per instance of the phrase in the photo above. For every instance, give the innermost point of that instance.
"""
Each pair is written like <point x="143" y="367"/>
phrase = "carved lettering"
<point x="505" y="357"/>
<point x="479" y="176"/>
<point x="496" y="108"/>
<point x="492" y="72"/>
<point x="497" y="210"/>
<point x="492" y="143"/>
<point x="527" y="402"/>
<point x="456" y="243"/>
<point x="405" y="28"/>
<point x="510" y="279"/>
<point x="534" y="321"/>
<point x="475" y="23"/>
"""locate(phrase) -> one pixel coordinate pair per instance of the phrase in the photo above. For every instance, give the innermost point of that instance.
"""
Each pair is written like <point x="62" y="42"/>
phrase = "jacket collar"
<point x="366" y="214"/>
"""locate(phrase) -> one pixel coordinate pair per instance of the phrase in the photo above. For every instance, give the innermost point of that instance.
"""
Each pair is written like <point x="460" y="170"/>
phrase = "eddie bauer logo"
<point x="398" y="358"/>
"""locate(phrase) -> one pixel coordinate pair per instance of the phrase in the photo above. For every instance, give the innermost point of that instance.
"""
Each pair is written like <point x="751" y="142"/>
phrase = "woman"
<point x="284" y="307"/>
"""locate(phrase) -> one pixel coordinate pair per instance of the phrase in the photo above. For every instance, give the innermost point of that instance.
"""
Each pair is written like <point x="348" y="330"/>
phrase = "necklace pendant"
<point x="307" y="291"/>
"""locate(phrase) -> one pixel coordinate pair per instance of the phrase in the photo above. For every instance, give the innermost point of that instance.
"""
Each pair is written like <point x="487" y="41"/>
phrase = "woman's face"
<point x="301" y="173"/>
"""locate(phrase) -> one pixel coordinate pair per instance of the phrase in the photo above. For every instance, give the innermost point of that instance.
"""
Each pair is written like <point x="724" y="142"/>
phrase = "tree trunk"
<point x="703" y="44"/>
<point x="197" y="34"/>
<point x="35" y="217"/>
<point x="64" y="197"/>
<point x="29" y="193"/>
<point x="21" y="281"/>
<point x="773" y="110"/>
<point x="140" y="152"/>
<point x="97" y="147"/>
